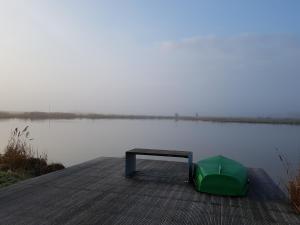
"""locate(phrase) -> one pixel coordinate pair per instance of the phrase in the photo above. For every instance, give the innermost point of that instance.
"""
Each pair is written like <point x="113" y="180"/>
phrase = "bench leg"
<point x="130" y="164"/>
<point x="190" y="159"/>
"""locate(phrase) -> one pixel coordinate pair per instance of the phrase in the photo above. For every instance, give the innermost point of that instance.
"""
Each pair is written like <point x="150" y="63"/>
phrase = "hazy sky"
<point x="150" y="57"/>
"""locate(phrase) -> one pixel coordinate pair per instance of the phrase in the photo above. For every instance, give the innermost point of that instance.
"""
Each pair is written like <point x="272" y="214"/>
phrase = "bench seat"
<point x="130" y="164"/>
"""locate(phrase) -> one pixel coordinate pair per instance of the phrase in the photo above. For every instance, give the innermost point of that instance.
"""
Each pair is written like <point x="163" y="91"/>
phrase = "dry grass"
<point x="294" y="192"/>
<point x="19" y="153"/>
<point x="293" y="182"/>
<point x="20" y="158"/>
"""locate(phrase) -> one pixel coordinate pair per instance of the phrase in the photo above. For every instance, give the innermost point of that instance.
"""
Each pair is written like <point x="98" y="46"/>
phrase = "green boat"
<point x="221" y="176"/>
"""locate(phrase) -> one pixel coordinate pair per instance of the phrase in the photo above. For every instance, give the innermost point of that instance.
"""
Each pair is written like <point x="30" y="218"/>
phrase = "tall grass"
<point x="293" y="182"/>
<point x="294" y="191"/>
<point x="20" y="157"/>
<point x="19" y="153"/>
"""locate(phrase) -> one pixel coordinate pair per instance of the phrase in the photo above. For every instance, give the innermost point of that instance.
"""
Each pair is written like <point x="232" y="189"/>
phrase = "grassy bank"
<point x="61" y="115"/>
<point x="8" y="178"/>
<point x="20" y="161"/>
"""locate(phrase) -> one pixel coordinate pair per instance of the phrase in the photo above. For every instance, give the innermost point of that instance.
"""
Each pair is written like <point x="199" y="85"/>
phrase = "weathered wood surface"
<point x="96" y="192"/>
<point x="170" y="153"/>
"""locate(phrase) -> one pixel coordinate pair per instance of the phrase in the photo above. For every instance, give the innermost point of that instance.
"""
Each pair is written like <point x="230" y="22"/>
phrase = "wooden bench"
<point x="130" y="166"/>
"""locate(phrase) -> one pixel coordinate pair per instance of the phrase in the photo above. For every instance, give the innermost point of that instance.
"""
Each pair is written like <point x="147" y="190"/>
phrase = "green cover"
<point x="221" y="176"/>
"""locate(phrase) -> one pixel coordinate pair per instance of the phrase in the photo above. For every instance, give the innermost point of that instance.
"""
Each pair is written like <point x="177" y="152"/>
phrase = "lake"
<point x="74" y="141"/>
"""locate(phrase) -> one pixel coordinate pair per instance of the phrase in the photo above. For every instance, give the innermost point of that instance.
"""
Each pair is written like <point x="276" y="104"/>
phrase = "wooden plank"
<point x="97" y="192"/>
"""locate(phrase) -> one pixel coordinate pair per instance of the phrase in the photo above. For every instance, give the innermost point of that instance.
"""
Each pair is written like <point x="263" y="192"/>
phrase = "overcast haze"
<point x="151" y="57"/>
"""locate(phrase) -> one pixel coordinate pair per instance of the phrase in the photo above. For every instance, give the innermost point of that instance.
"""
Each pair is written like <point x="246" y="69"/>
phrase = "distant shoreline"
<point x="62" y="115"/>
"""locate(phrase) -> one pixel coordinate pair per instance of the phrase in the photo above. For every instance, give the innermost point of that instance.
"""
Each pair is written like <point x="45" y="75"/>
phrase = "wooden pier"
<point x="97" y="192"/>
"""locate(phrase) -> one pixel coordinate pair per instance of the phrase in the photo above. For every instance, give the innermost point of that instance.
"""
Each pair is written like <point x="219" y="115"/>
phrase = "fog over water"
<point x="148" y="58"/>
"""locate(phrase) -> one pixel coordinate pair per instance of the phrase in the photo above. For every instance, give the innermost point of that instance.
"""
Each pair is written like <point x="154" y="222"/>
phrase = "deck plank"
<point x="96" y="192"/>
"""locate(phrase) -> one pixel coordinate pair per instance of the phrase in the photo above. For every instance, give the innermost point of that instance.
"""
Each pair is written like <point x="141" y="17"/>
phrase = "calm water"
<point x="75" y="141"/>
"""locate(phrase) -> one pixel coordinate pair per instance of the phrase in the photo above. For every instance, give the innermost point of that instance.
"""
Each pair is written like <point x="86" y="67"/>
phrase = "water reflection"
<point x="75" y="141"/>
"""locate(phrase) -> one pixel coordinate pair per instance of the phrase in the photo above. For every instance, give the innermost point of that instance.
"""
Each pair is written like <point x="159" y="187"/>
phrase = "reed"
<point x="294" y="192"/>
<point x="20" y="158"/>
<point x="19" y="153"/>
<point x="293" y="182"/>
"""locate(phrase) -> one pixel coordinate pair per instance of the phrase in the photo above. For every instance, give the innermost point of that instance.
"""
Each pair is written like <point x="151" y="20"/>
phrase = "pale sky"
<point x="151" y="57"/>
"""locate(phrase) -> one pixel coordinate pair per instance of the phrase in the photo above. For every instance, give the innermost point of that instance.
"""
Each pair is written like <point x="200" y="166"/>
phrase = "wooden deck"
<point x="96" y="192"/>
